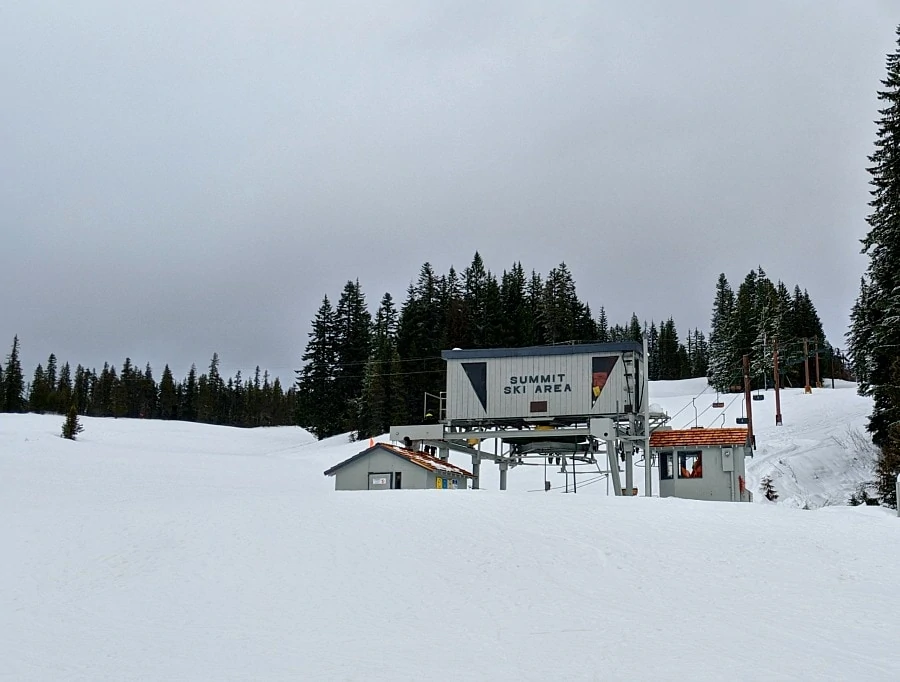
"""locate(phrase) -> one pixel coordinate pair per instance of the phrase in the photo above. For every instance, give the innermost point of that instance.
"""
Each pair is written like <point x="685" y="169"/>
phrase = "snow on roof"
<point x="697" y="438"/>
<point x="417" y="457"/>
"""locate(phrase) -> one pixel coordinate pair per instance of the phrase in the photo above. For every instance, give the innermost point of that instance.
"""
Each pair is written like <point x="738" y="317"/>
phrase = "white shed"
<point x="702" y="464"/>
<point x="390" y="467"/>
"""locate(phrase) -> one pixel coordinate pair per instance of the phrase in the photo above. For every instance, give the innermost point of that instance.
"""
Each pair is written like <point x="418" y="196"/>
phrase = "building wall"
<point x="716" y="484"/>
<point x="567" y="388"/>
<point x="434" y="475"/>
<point x="355" y="475"/>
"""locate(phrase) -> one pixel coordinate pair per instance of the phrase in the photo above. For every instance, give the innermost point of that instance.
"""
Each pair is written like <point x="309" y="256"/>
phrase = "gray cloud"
<point x="180" y="178"/>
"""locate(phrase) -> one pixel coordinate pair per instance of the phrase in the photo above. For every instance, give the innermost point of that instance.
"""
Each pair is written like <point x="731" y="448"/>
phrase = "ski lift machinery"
<point x="569" y="404"/>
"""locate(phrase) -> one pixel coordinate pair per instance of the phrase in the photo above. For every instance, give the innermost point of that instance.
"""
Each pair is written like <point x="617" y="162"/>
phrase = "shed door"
<point x="380" y="481"/>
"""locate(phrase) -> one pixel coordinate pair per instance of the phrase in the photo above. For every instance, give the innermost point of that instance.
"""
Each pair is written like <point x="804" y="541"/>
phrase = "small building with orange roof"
<point x="702" y="464"/>
<point x="384" y="466"/>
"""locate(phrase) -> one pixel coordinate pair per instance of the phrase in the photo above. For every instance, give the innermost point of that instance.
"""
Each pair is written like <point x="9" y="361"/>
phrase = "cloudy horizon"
<point x="187" y="178"/>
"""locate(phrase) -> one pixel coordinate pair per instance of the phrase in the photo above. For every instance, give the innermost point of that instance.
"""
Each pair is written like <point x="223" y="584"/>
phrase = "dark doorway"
<point x="397" y="480"/>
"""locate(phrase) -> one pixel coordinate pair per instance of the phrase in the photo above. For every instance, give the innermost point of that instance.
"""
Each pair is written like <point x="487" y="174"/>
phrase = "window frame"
<point x="667" y="465"/>
<point x="697" y="455"/>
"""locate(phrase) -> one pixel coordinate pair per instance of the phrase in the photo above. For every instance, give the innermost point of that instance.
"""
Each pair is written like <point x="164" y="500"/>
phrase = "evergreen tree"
<point x="534" y="295"/>
<point x="723" y="353"/>
<point x="50" y="377"/>
<point x="767" y="488"/>
<point x="168" y="398"/>
<point x="493" y="314"/>
<point x="211" y="394"/>
<point x="653" y="352"/>
<point x="746" y="314"/>
<point x="515" y="316"/>
<point x="635" y="330"/>
<point x="456" y="322"/>
<point x="190" y="396"/>
<point x="875" y="331"/>
<point x="376" y="410"/>
<point x="767" y="325"/>
<point x="352" y="340"/>
<point x="602" y="326"/>
<point x="320" y="410"/>
<point x="670" y="359"/>
<point x="700" y="358"/>
<point x="14" y="381"/>
<point x="39" y="398"/>
<point x="475" y="294"/>
<point x="63" y="394"/>
<point x="419" y="343"/>
<point x="560" y="306"/>
<point x="81" y="390"/>
<point x="72" y="426"/>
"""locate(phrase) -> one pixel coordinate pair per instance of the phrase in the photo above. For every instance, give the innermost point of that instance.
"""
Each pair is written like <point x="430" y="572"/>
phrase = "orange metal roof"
<point x="697" y="438"/>
<point x="422" y="459"/>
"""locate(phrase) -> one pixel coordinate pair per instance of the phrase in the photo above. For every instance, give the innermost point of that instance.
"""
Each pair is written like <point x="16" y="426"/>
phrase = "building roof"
<point x="422" y="459"/>
<point x="561" y="349"/>
<point x="697" y="438"/>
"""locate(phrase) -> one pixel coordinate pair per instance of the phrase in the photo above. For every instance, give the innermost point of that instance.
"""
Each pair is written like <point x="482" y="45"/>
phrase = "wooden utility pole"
<point x="833" y="351"/>
<point x="777" y="384"/>
<point x="818" y="375"/>
<point x="807" y="388"/>
<point x="748" y="399"/>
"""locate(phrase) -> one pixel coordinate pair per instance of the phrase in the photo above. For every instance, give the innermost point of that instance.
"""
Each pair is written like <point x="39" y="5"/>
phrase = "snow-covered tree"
<point x="875" y="332"/>
<point x="767" y="488"/>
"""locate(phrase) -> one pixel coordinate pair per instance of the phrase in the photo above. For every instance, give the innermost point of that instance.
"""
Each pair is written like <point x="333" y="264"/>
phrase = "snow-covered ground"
<point x="172" y="551"/>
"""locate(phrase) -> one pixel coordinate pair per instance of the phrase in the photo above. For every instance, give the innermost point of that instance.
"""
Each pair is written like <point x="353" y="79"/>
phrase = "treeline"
<point x="874" y="335"/>
<point x="760" y="316"/>
<point x="362" y="373"/>
<point x="135" y="393"/>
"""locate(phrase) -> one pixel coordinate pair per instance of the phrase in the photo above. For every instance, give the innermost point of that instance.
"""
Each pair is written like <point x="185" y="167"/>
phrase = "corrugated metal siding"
<point x="572" y="371"/>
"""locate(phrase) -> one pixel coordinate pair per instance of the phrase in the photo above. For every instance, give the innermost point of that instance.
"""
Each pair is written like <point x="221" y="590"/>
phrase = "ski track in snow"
<point x="173" y="551"/>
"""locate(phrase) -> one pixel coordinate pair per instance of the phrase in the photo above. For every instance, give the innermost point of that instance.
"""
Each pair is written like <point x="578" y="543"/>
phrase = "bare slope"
<point x="150" y="550"/>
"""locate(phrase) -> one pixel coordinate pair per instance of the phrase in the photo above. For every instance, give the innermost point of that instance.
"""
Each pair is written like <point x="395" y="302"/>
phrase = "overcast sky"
<point x="186" y="177"/>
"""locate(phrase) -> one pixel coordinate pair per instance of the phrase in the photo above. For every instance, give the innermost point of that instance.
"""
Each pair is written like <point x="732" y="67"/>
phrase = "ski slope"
<point x="150" y="550"/>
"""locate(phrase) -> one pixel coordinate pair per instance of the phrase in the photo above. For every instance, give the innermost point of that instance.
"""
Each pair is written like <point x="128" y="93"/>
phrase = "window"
<point x="666" y="471"/>
<point x="690" y="465"/>
<point x="397" y="480"/>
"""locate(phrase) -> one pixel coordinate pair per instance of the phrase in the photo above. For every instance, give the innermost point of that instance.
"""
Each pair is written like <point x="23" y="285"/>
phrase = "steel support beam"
<point x="645" y="400"/>
<point x="613" y="458"/>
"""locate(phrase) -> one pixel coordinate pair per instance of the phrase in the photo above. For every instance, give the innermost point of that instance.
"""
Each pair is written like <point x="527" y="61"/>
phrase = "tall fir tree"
<point x="63" y="394"/>
<point x="515" y="323"/>
<point x="168" y="397"/>
<point x="352" y="339"/>
<point x="602" y="326"/>
<point x="14" y="381"/>
<point x="560" y="306"/>
<point x="723" y="352"/>
<point x="875" y="332"/>
<point x="320" y="409"/>
<point x="39" y="398"/>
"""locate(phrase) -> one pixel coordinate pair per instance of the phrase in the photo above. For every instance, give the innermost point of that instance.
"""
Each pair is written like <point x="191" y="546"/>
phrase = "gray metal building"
<point x="390" y="467"/>
<point x="542" y="383"/>
<point x="702" y="464"/>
